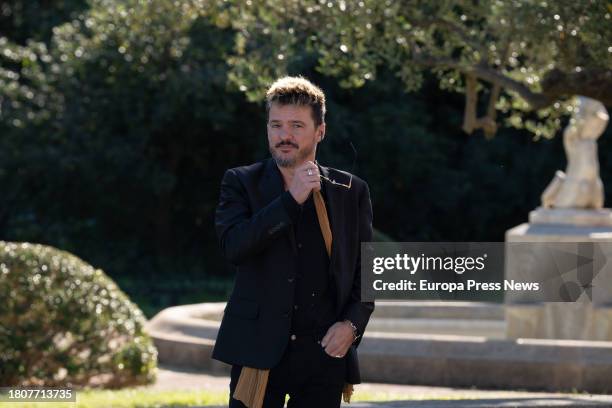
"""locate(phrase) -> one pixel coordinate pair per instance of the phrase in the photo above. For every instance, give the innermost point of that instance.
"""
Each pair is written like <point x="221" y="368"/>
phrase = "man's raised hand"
<point x="306" y="178"/>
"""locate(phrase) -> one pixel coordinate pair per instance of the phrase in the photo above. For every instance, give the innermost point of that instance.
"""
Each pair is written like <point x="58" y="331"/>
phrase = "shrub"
<point x="63" y="322"/>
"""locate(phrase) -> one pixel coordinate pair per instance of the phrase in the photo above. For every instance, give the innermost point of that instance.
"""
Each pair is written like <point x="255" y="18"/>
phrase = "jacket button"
<point x="290" y="280"/>
<point x="293" y="337"/>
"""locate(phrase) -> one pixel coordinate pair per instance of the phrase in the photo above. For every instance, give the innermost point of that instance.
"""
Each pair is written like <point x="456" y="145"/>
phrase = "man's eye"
<point x="297" y="126"/>
<point x="275" y="125"/>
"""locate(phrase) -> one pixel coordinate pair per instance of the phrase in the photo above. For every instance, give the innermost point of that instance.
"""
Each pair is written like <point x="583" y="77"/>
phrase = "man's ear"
<point x="321" y="132"/>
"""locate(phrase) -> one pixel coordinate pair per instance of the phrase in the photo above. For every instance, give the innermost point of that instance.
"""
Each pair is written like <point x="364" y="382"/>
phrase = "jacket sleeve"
<point x="241" y="233"/>
<point x="356" y="311"/>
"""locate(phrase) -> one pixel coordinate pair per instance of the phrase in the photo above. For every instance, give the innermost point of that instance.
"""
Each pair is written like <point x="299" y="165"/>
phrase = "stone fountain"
<point x="571" y="211"/>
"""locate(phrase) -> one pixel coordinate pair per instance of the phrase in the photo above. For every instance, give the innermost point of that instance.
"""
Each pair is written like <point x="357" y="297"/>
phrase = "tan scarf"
<point x="252" y="382"/>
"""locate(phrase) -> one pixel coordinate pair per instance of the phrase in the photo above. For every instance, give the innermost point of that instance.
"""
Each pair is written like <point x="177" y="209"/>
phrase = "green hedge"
<point x="63" y="322"/>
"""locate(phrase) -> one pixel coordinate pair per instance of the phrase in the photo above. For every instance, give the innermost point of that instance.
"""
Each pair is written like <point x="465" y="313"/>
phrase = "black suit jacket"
<point x="256" y="236"/>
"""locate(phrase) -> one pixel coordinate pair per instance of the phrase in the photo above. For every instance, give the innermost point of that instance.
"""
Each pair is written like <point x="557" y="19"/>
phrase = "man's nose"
<point x="284" y="133"/>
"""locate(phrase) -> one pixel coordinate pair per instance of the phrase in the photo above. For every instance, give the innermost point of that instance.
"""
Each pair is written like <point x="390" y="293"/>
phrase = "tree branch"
<point x="470" y="120"/>
<point x="536" y="100"/>
<point x="592" y="82"/>
<point x="471" y="100"/>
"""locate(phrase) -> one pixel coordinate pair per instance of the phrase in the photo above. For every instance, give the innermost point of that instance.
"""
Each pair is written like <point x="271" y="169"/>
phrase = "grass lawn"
<point x="132" y="398"/>
<point x="139" y="398"/>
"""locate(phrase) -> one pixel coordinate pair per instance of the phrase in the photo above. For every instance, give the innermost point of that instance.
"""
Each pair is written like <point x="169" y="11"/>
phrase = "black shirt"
<point x="313" y="308"/>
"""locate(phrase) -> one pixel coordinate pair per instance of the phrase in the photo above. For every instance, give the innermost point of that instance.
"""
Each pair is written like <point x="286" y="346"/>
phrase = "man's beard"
<point x="289" y="161"/>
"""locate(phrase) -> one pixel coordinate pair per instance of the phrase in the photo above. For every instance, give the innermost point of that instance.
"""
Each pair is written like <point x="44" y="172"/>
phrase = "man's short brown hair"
<point x="297" y="91"/>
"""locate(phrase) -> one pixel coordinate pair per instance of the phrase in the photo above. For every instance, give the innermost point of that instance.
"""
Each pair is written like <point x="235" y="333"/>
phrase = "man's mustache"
<point x="286" y="144"/>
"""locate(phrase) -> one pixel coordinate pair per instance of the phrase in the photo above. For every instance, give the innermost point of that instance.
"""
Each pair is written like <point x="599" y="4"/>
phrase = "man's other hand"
<point x="338" y="339"/>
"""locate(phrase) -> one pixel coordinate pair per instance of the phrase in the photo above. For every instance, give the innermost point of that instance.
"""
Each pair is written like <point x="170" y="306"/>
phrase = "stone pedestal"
<point x="589" y="317"/>
<point x="571" y="217"/>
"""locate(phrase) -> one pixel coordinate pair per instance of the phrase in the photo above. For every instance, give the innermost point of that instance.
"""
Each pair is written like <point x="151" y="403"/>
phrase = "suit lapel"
<point x="334" y="203"/>
<point x="271" y="187"/>
<point x="271" y="184"/>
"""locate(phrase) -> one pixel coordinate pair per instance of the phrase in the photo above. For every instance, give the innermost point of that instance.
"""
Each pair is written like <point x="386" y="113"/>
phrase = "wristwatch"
<point x="355" y="335"/>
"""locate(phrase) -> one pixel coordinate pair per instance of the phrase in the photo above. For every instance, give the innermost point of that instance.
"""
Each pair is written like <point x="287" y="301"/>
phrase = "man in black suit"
<point x="295" y="313"/>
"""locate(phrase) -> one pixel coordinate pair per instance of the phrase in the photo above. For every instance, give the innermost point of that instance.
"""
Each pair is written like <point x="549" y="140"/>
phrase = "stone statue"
<point x="580" y="186"/>
<point x="571" y="214"/>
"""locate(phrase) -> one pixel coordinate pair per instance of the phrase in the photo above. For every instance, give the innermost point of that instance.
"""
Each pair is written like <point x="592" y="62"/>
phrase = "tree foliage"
<point x="519" y="55"/>
<point x="117" y="125"/>
<point x="114" y="130"/>
<point x="23" y="20"/>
